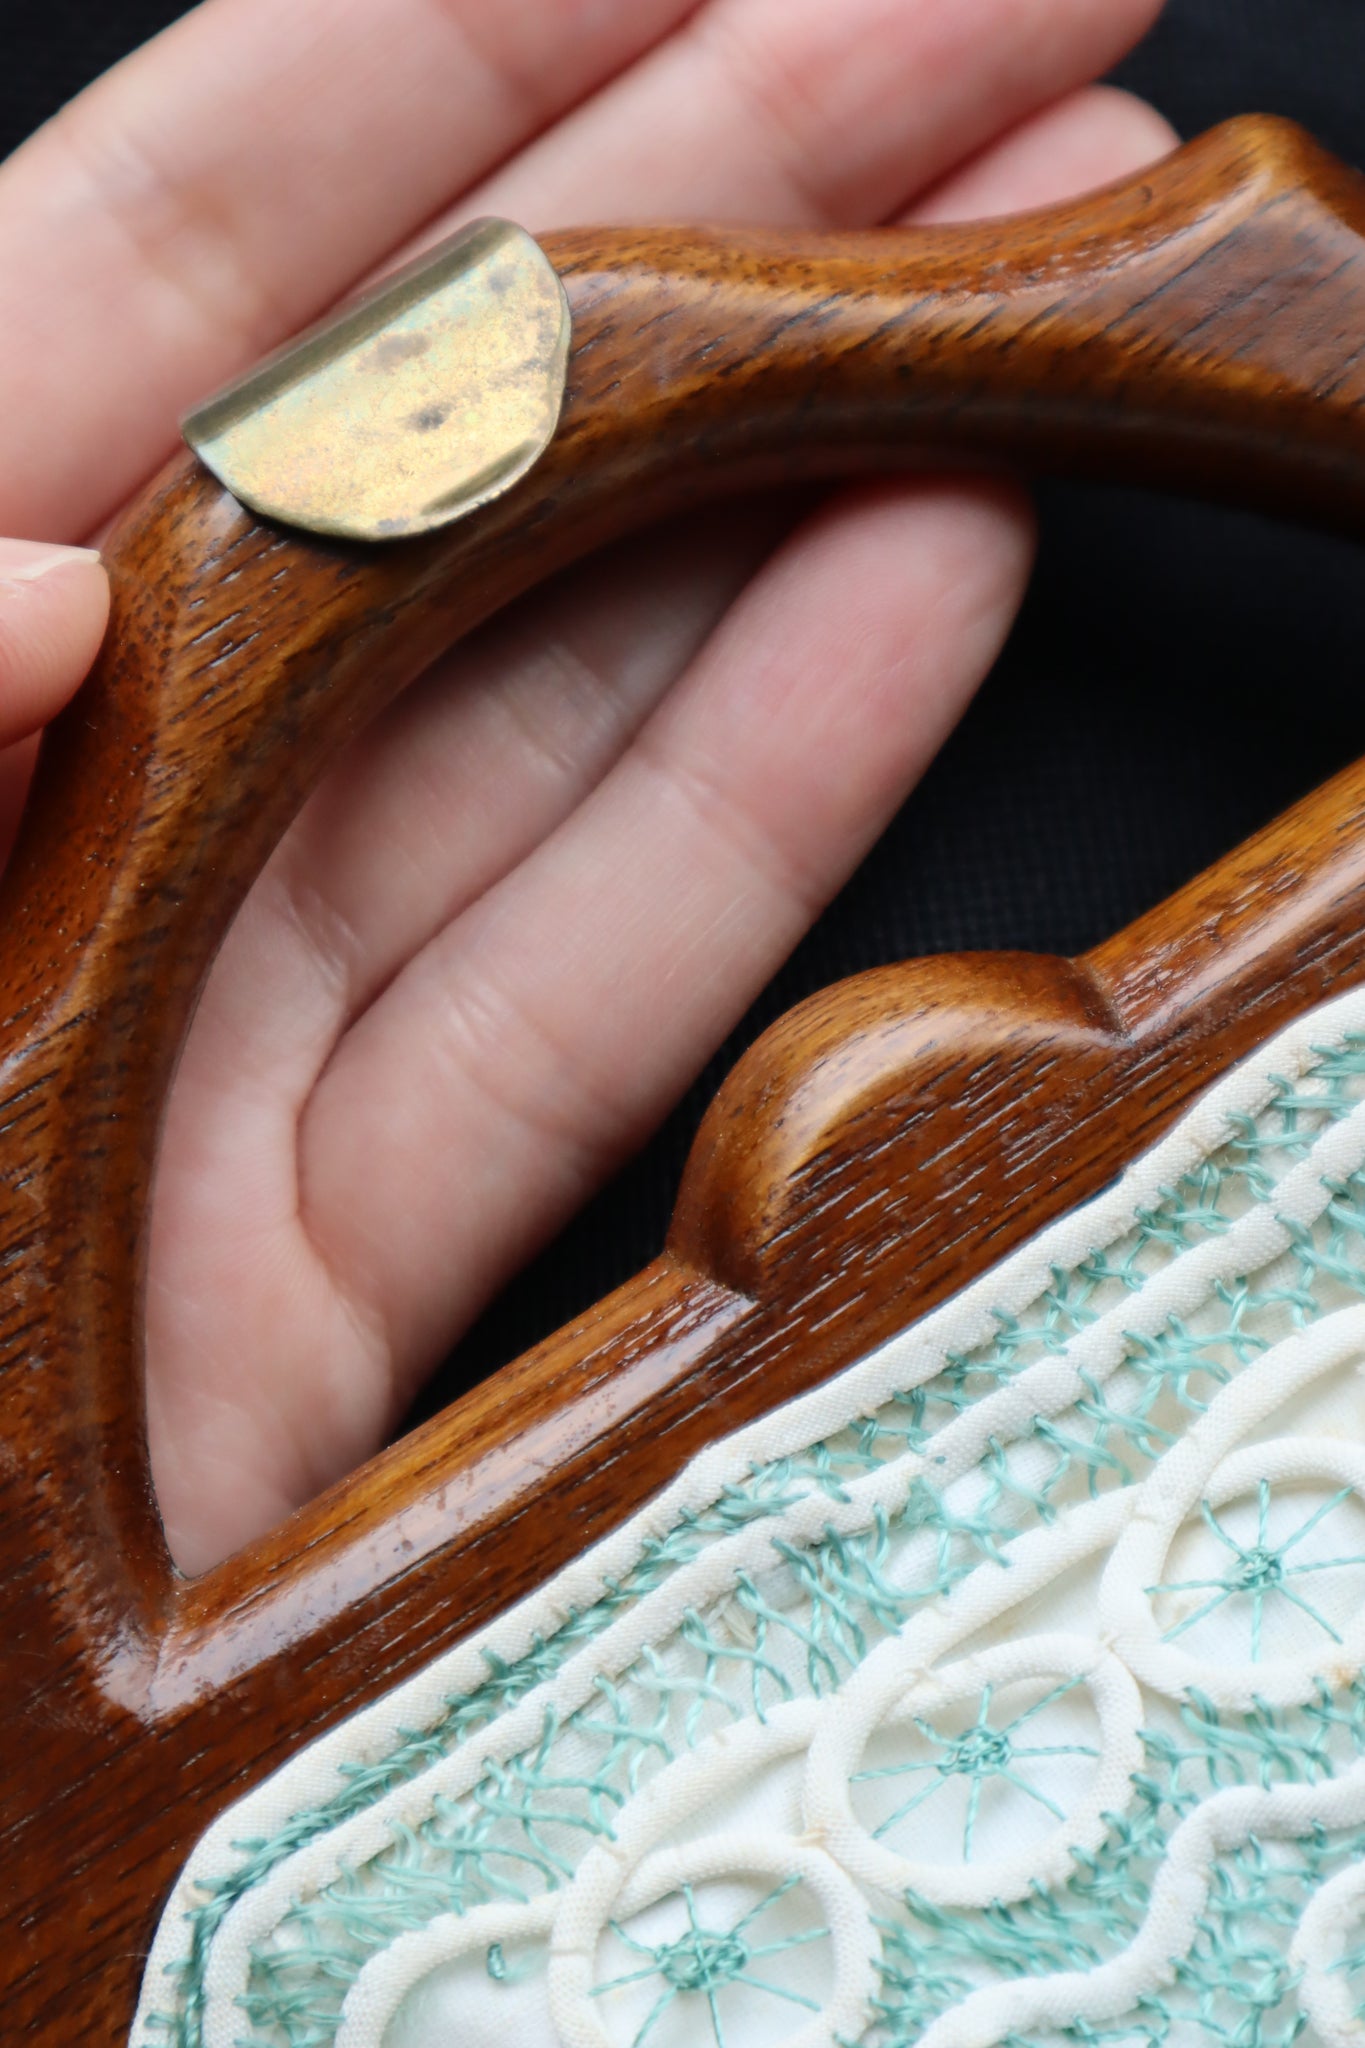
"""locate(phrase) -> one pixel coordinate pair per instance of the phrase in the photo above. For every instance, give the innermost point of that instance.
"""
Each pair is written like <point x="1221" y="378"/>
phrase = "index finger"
<point x="219" y="187"/>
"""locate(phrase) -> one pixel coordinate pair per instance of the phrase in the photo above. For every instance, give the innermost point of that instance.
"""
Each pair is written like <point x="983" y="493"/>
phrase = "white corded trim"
<point x="1331" y="1917"/>
<point x="1118" y="1708"/>
<point x="600" y="1890"/>
<point x="1126" y="1607"/>
<point x="388" y="1977"/>
<point x="1180" y="1892"/>
<point x="1046" y="1388"/>
<point x="624" y="1875"/>
<point x="883" y="1686"/>
<point x="875" y="1690"/>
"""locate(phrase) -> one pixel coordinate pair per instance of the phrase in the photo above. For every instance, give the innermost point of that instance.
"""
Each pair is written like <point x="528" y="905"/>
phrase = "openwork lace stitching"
<point x="837" y="1548"/>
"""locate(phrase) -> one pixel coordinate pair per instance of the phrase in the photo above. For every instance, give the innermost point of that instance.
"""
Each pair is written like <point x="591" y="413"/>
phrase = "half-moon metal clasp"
<point x="413" y="405"/>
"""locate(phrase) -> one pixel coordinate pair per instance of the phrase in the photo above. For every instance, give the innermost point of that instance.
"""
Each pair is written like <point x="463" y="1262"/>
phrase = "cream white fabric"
<point x="898" y="1660"/>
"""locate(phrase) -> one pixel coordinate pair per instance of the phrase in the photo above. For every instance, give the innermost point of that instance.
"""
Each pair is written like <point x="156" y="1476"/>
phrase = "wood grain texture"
<point x="1202" y="328"/>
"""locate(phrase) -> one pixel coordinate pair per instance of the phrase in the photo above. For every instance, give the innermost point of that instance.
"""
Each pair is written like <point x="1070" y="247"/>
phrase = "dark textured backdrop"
<point x="1178" y="676"/>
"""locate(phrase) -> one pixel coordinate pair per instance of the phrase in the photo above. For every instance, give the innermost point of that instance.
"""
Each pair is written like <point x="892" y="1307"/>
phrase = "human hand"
<point x="517" y="918"/>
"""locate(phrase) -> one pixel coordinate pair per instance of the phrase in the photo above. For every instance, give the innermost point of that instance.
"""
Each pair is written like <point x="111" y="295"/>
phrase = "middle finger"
<point x="797" y="113"/>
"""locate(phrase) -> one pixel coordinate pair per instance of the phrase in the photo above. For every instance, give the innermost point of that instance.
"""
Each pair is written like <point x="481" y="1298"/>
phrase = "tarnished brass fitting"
<point x="411" y="406"/>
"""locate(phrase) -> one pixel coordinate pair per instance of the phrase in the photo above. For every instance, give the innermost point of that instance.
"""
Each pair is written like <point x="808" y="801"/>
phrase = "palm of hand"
<point x="519" y="915"/>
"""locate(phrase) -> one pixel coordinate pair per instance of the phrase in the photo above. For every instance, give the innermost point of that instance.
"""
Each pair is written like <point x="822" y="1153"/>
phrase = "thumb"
<point x="54" y="604"/>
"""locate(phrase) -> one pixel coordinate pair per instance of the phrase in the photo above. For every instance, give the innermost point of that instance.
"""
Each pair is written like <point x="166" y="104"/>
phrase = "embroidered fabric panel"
<point x="1007" y="1689"/>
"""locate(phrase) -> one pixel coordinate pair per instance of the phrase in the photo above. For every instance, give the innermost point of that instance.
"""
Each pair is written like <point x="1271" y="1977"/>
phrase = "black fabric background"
<point x="1178" y="675"/>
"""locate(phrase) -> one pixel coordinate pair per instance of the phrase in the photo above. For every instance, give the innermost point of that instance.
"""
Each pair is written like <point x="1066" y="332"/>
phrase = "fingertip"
<point x="54" y="608"/>
<point x="973" y="532"/>
<point x="1088" y="139"/>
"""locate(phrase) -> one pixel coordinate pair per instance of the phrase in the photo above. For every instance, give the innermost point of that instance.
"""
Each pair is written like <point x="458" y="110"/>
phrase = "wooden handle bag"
<point x="1200" y="329"/>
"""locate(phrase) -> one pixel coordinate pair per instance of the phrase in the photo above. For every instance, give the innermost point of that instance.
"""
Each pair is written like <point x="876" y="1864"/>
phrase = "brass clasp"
<point x="427" y="397"/>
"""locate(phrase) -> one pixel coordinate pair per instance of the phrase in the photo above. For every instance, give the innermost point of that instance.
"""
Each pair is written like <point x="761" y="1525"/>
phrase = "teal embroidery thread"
<point x="811" y="1620"/>
<point x="705" y="1961"/>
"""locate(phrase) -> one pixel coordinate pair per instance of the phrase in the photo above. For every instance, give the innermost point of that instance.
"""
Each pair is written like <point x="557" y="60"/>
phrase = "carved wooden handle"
<point x="1201" y="328"/>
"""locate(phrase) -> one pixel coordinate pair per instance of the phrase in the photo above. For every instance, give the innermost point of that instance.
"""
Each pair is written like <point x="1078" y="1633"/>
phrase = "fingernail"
<point x="24" y="561"/>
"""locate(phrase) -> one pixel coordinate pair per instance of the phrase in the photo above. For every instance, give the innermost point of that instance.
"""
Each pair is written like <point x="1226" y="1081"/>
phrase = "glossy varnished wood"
<point x="1202" y="329"/>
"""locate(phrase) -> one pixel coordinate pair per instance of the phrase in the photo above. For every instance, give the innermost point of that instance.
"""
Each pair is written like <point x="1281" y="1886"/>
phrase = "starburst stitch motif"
<point x="1259" y="1570"/>
<point x="981" y="1754"/>
<point x="704" y="1961"/>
